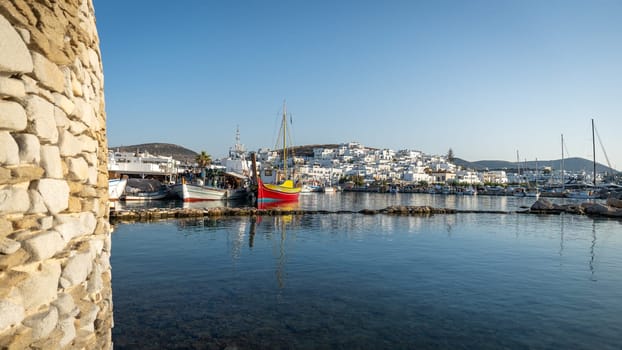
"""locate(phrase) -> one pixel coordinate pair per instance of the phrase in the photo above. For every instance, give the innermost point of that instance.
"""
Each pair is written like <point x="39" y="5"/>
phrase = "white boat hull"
<point x="116" y="188"/>
<point x="195" y="193"/>
<point x="145" y="196"/>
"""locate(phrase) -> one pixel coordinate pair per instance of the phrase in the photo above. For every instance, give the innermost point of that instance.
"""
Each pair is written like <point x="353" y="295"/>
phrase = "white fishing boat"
<point x="581" y="194"/>
<point x="116" y="187"/>
<point x="329" y="189"/>
<point x="145" y="196"/>
<point x="198" y="192"/>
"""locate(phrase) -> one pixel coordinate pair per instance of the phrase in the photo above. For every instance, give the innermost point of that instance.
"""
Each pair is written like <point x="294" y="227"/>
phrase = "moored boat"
<point x="285" y="191"/>
<point x="577" y="194"/>
<point x="142" y="196"/>
<point x="198" y="192"/>
<point x="116" y="188"/>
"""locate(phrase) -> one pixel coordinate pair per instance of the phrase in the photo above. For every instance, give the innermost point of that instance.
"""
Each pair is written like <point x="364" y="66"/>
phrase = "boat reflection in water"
<point x="279" y="205"/>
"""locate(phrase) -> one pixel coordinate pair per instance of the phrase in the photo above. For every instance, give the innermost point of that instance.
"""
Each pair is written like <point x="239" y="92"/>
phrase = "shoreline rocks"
<point x="541" y="206"/>
<point x="544" y="206"/>
<point x="154" y="214"/>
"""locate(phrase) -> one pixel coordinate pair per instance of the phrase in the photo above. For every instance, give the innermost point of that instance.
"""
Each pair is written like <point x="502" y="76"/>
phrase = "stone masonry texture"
<point x="55" y="278"/>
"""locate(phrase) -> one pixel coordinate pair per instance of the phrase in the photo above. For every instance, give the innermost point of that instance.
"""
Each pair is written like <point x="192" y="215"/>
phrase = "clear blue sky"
<point x="485" y="78"/>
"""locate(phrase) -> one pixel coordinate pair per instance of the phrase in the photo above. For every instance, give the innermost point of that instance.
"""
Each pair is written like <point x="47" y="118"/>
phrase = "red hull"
<point x="265" y="194"/>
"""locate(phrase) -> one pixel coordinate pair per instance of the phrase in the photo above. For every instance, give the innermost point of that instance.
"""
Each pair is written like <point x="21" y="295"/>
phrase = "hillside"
<point x="570" y="164"/>
<point x="162" y="149"/>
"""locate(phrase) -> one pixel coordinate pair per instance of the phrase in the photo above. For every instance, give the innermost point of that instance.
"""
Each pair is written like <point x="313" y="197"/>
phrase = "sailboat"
<point x="285" y="191"/>
<point x="588" y="193"/>
<point x="534" y="193"/>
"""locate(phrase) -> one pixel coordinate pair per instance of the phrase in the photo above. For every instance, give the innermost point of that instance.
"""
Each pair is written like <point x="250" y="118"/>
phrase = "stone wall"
<point x="55" y="281"/>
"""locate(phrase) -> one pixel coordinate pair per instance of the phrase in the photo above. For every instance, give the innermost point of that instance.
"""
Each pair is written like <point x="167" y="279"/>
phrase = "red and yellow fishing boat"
<point x="286" y="191"/>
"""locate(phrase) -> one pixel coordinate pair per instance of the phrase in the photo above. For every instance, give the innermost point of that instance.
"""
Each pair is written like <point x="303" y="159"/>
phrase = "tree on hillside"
<point x="450" y="155"/>
<point x="203" y="159"/>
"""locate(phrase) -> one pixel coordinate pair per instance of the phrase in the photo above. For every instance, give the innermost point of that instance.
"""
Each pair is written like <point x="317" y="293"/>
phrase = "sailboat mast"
<point x="594" y="152"/>
<point x="284" y="139"/>
<point x="518" y="167"/>
<point x="563" y="183"/>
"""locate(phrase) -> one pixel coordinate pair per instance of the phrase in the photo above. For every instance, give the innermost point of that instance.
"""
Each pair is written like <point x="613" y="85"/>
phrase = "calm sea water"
<point x="350" y="281"/>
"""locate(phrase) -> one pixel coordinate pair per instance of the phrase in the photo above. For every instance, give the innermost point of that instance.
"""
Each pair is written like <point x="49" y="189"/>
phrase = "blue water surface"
<point x="351" y="281"/>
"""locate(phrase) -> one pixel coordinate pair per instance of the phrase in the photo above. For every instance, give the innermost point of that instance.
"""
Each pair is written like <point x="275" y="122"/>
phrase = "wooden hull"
<point x="195" y="193"/>
<point x="276" y="193"/>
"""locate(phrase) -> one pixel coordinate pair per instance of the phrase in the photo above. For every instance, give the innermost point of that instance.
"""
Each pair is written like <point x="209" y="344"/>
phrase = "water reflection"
<point x="359" y="281"/>
<point x="355" y="201"/>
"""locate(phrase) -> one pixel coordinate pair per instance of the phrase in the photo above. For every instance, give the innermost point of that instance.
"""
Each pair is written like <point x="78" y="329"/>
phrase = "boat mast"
<point x="518" y="167"/>
<point x="563" y="183"/>
<point x="284" y="122"/>
<point x="594" y="152"/>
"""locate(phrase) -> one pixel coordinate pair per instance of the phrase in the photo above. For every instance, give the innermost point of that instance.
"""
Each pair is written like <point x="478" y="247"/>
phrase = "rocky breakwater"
<point x="612" y="208"/>
<point x="154" y="214"/>
<point x="55" y="289"/>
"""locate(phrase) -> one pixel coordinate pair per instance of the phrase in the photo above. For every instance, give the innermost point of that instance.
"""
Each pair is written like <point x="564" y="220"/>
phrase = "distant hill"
<point x="162" y="149"/>
<point x="570" y="164"/>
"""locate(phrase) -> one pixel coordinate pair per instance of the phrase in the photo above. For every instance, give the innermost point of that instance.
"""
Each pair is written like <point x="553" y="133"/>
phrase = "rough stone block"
<point x="78" y="169"/>
<point x="41" y="113"/>
<point x="10" y="313"/>
<point x="10" y="87"/>
<point x="8" y="246"/>
<point x="27" y="172"/>
<point x="14" y="199"/>
<point x="84" y="111"/>
<point x="51" y="161"/>
<point x="68" y="328"/>
<point x="74" y="225"/>
<point x="96" y="245"/>
<point x="48" y="73"/>
<point x="37" y="206"/>
<point x="15" y="56"/>
<point x="93" y="59"/>
<point x="42" y="323"/>
<point x="55" y="194"/>
<point x="9" y="152"/>
<point x="69" y="144"/>
<point x="87" y="318"/>
<point x="45" y="223"/>
<point x="5" y="175"/>
<point x="6" y="227"/>
<point x="92" y="177"/>
<point x="14" y="260"/>
<point x="61" y="118"/>
<point x="44" y="245"/>
<point x="65" y="305"/>
<point x="77" y="127"/>
<point x="41" y="287"/>
<point x="77" y="269"/>
<point x="25" y="223"/>
<point x="95" y="282"/>
<point x="75" y="205"/>
<point x="88" y="144"/>
<point x="25" y="34"/>
<point x="29" y="148"/>
<point x="63" y="103"/>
